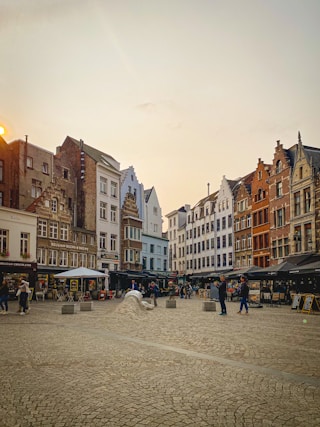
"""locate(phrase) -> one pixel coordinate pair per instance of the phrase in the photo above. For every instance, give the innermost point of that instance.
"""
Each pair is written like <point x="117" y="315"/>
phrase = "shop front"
<point x="14" y="271"/>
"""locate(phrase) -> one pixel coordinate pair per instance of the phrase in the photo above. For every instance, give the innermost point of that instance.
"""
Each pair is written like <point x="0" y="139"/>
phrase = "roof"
<point x="97" y="155"/>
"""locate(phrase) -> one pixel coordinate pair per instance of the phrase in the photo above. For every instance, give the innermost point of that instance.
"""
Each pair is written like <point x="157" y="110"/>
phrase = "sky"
<point x="185" y="91"/>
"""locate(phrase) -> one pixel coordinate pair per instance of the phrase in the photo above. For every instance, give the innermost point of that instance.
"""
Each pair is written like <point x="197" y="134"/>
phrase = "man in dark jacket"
<point x="244" y="294"/>
<point x="222" y="286"/>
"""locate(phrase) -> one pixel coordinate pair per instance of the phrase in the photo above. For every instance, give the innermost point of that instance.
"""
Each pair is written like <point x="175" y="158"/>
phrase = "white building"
<point x="154" y="245"/>
<point x="224" y="242"/>
<point x="18" y="245"/>
<point x="176" y="228"/>
<point x="200" y="236"/>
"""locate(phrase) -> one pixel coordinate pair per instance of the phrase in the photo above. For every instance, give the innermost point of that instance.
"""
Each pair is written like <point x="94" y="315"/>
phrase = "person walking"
<point x="222" y="287"/>
<point x="24" y="293"/>
<point x="244" y="294"/>
<point x="154" y="292"/>
<point x="4" y="296"/>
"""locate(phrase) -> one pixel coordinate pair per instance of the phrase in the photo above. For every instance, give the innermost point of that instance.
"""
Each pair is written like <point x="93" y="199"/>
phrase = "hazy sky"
<point x="186" y="91"/>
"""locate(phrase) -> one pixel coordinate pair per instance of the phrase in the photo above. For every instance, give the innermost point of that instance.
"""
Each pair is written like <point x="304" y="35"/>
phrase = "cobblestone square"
<point x="119" y="365"/>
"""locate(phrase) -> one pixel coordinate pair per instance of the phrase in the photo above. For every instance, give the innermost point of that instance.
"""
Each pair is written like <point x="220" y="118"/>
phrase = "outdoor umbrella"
<point x="80" y="273"/>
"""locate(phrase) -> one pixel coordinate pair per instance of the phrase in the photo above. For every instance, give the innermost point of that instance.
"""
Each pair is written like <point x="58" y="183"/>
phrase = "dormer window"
<point x="278" y="166"/>
<point x="45" y="168"/>
<point x="29" y="162"/>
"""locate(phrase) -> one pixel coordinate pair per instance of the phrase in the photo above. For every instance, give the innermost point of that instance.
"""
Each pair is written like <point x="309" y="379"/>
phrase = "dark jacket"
<point x="222" y="290"/>
<point x="244" y="290"/>
<point x="4" y="290"/>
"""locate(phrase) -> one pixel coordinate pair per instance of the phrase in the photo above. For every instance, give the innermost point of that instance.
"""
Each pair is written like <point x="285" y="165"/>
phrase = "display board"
<point x="296" y="302"/>
<point x="307" y="303"/>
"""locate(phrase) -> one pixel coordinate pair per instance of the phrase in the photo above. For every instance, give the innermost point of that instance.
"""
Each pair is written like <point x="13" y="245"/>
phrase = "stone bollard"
<point x="86" y="306"/>
<point x="67" y="309"/>
<point x="209" y="306"/>
<point x="171" y="303"/>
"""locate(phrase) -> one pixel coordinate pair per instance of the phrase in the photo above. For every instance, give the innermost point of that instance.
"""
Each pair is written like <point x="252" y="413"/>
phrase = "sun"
<point x="1" y="130"/>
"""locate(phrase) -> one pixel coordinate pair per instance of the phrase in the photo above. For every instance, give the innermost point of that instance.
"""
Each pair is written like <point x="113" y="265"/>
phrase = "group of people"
<point x="22" y="294"/>
<point x="243" y="292"/>
<point x="152" y="290"/>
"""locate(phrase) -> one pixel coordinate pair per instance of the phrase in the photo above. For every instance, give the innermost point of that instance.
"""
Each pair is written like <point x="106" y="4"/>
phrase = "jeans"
<point x="24" y="301"/>
<point x="223" y="305"/>
<point x="243" y="302"/>
<point x="4" y="300"/>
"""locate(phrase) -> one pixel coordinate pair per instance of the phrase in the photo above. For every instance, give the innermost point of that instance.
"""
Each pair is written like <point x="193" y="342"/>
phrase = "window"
<point x="224" y="223"/>
<point x="133" y="233"/>
<point x="113" y="213"/>
<point x="82" y="260"/>
<point x="224" y="241"/>
<point x="29" y="162"/>
<point x="92" y="261"/>
<point x="155" y="211"/>
<point x="129" y="255"/>
<point x="113" y="242"/>
<point x="279" y="189"/>
<point x="1" y="170"/>
<point x="1" y="198"/>
<point x="4" y="234"/>
<point x="218" y="224"/>
<point x="103" y="185"/>
<point x="103" y="210"/>
<point x="45" y="168"/>
<point x="84" y="239"/>
<point x="103" y="241"/>
<point x="229" y="221"/>
<point x="65" y="174"/>
<point x="64" y="232"/>
<point x="36" y="188"/>
<point x="307" y="200"/>
<point x="259" y="175"/>
<point x="114" y="189"/>
<point x="152" y="248"/>
<point x="63" y="259"/>
<point x="42" y="256"/>
<point x="297" y="210"/>
<point x="224" y="260"/>
<point x="24" y="244"/>
<point x="279" y="220"/>
<point x="42" y="228"/>
<point x="54" y="205"/>
<point x="52" y="257"/>
<point x="278" y="166"/>
<point x="53" y="230"/>
<point x="74" y="259"/>
<point x="300" y="172"/>
<point x="297" y="239"/>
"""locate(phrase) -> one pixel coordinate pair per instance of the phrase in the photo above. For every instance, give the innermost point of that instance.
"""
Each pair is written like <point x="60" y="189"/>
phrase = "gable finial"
<point x="299" y="137"/>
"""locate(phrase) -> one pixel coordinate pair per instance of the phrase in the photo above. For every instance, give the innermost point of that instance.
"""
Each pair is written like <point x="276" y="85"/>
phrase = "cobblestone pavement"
<point x="119" y="365"/>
